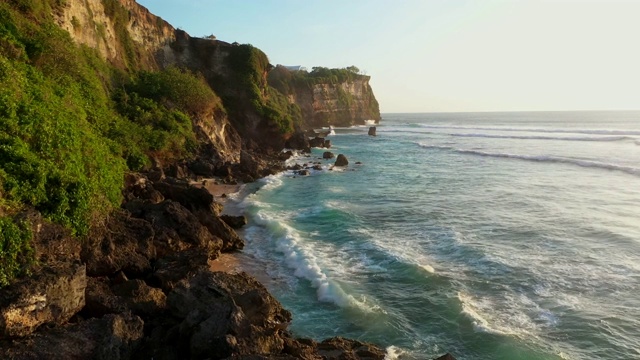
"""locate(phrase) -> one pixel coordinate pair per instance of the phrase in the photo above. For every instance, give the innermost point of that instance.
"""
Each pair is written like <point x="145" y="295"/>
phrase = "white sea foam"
<point x="538" y="130"/>
<point x="393" y="353"/>
<point x="428" y="268"/>
<point x="509" y="315"/>
<point x="540" y="158"/>
<point x="534" y="137"/>
<point x="300" y="257"/>
<point x="472" y="310"/>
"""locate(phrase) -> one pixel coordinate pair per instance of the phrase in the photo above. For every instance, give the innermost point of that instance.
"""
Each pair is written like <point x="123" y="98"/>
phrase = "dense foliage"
<point x="71" y="123"/>
<point x="286" y="81"/>
<point x="250" y="65"/>
<point x="16" y="254"/>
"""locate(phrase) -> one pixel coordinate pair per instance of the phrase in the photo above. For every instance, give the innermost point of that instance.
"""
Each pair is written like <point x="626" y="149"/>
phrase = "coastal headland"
<point x="120" y="135"/>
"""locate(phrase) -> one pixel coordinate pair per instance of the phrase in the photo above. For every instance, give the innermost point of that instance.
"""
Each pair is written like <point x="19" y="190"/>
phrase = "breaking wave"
<point x="541" y="158"/>
<point x="538" y="130"/>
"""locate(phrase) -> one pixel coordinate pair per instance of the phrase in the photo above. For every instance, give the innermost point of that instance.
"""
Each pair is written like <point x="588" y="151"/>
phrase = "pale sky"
<point x="444" y="55"/>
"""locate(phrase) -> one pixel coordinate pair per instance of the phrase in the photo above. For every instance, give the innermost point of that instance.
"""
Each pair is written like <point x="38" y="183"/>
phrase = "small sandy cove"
<point x="227" y="262"/>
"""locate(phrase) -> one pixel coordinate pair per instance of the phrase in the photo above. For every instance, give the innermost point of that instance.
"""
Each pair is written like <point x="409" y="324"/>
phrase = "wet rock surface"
<point x="139" y="287"/>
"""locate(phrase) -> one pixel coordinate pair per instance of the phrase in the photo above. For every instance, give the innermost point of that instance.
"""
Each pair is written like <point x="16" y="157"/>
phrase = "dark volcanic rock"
<point x="317" y="142"/>
<point x="219" y="228"/>
<point x="113" y="337"/>
<point x="285" y="155"/>
<point x="100" y="299"/>
<point x="341" y="348"/>
<point x="229" y="314"/>
<point x="298" y="141"/>
<point x="372" y="131"/>
<point x="52" y="296"/>
<point x="328" y="155"/>
<point x="235" y="222"/>
<point x="341" y="160"/>
<point x="172" y="269"/>
<point x="303" y="172"/>
<point x="176" y="228"/>
<point x="123" y="243"/>
<point x="138" y="186"/>
<point x="327" y="143"/>
<point x="203" y="167"/>
<point x="141" y="298"/>
<point x="191" y="197"/>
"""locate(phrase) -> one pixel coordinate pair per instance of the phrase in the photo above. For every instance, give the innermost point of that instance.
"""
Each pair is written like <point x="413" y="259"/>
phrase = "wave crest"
<point x="541" y="158"/>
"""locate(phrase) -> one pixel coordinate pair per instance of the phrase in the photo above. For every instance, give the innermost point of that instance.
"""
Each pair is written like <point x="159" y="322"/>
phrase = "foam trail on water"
<point x="480" y="323"/>
<point x="563" y="138"/>
<point x="561" y="131"/>
<point x="393" y="353"/>
<point x="541" y="158"/>
<point x="301" y="259"/>
<point x="428" y="268"/>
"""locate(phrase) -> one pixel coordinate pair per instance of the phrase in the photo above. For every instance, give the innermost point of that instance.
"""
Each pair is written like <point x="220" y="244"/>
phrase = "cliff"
<point x="108" y="114"/>
<point x="339" y="97"/>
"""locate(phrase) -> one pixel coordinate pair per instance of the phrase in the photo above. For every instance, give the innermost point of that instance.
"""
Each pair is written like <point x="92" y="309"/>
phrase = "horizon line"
<point x="502" y="111"/>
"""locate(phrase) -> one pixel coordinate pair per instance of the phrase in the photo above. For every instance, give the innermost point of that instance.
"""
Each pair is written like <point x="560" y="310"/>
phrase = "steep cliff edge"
<point x="107" y="115"/>
<point x="339" y="97"/>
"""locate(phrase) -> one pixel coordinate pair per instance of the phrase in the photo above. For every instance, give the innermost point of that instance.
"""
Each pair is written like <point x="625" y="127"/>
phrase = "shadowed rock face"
<point x="52" y="296"/>
<point x="341" y="160"/>
<point x="113" y="337"/>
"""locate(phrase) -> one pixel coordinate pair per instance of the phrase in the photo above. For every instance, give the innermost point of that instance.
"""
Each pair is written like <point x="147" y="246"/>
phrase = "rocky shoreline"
<point x="141" y="285"/>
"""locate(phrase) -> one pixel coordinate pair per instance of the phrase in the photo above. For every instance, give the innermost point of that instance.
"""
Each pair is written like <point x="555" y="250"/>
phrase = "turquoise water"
<point x="487" y="235"/>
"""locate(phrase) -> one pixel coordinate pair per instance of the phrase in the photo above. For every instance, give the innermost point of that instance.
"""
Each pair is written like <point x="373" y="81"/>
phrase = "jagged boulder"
<point x="219" y="228"/>
<point x="202" y="167"/>
<point x="341" y="348"/>
<point x="235" y="222"/>
<point x="113" y="337"/>
<point x="298" y="141"/>
<point x="191" y="197"/>
<point x="372" y="131"/>
<point x="172" y="269"/>
<point x="123" y="243"/>
<point x="317" y="142"/>
<point x="52" y="296"/>
<point x="138" y="186"/>
<point x="328" y="155"/>
<point x="224" y="315"/>
<point x="327" y="143"/>
<point x="141" y="298"/>
<point x="176" y="228"/>
<point x="341" y="160"/>
<point x="283" y="156"/>
<point x="100" y="299"/>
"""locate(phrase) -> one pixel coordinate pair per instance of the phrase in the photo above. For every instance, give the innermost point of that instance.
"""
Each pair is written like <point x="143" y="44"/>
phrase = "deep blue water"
<point x="487" y="235"/>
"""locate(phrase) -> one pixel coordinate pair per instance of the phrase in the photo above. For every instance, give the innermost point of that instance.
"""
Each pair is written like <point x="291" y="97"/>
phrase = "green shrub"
<point x="50" y="156"/>
<point x="16" y="254"/>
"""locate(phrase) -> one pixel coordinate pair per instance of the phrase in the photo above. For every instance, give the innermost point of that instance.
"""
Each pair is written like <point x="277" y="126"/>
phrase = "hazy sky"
<point x="444" y="55"/>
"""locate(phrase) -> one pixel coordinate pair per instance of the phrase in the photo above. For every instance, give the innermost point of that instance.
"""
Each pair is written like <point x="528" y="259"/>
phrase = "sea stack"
<point x="341" y="160"/>
<point x="372" y="131"/>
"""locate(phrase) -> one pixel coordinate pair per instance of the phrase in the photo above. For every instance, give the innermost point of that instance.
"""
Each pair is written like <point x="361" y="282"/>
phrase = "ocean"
<point x="486" y="235"/>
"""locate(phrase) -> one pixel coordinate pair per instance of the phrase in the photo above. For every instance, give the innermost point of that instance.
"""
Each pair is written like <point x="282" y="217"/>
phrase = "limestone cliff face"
<point x="344" y="104"/>
<point x="129" y="36"/>
<point x="339" y="97"/>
